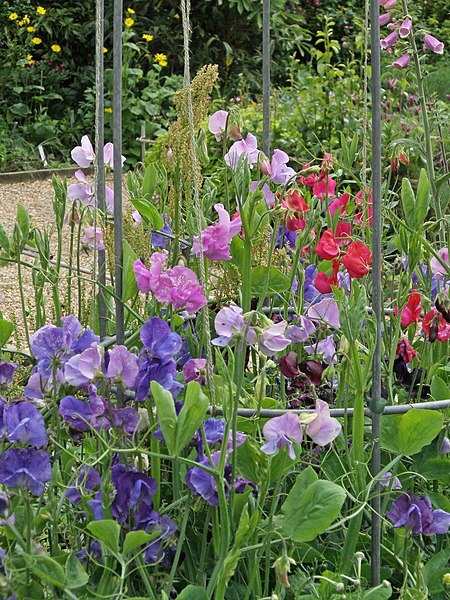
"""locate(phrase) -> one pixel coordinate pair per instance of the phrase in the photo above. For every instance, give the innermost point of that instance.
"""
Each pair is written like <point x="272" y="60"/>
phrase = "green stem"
<point x="70" y="275"/>
<point x="22" y="299"/>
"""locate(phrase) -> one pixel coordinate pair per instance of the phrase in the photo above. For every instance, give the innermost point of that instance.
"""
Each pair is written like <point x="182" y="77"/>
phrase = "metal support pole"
<point x="266" y="76"/>
<point x="376" y="405"/>
<point x="99" y="143"/>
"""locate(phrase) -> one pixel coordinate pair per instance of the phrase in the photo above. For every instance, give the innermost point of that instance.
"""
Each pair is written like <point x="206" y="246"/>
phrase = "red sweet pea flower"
<point x="339" y="204"/>
<point x="405" y="350"/>
<point x="293" y="224"/>
<point x="435" y="326"/>
<point x="411" y="312"/>
<point x="294" y="201"/>
<point x="357" y="260"/>
<point x="324" y="186"/>
<point x="323" y="283"/>
<point x="327" y="247"/>
<point x="343" y="232"/>
<point x="307" y="180"/>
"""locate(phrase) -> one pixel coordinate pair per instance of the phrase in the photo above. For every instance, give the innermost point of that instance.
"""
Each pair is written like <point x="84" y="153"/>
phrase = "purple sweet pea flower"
<point x="389" y="481"/>
<point x="134" y="494"/>
<point x="324" y="429"/>
<point x="126" y="419"/>
<point x="248" y="147"/>
<point x="438" y="270"/>
<point x="7" y="371"/>
<point x="81" y="191"/>
<point x="88" y="480"/>
<point x="279" y="171"/>
<point x="159" y="240"/>
<point x="154" y="552"/>
<point x="25" y="468"/>
<point x="26" y="425"/>
<point x="158" y="339"/>
<point x="216" y="239"/>
<point x="272" y="340"/>
<point x="402" y="62"/>
<point x="405" y="28"/>
<point x="195" y="370"/>
<point x="300" y="333"/>
<point x="389" y="40"/>
<point x="433" y="44"/>
<point x="326" y="310"/>
<point x="280" y="432"/>
<point x="289" y="239"/>
<point x="214" y="430"/>
<point x="418" y="515"/>
<point x="76" y="413"/>
<point x="82" y="368"/>
<point x="326" y="348"/>
<point x="122" y="366"/>
<point x="108" y="155"/>
<point x="217" y="124"/>
<point x="93" y="238"/>
<point x="202" y="483"/>
<point x="268" y="194"/>
<point x="83" y="155"/>
<point x="445" y="446"/>
<point x="229" y="321"/>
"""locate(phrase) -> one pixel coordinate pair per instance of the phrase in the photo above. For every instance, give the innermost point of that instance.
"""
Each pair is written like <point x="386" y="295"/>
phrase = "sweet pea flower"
<point x="195" y="370"/>
<point x="389" y="40"/>
<point x="228" y="323"/>
<point x="81" y="191"/>
<point x="216" y="239"/>
<point x="122" y="366"/>
<point x="326" y="310"/>
<point x="357" y="260"/>
<point x="326" y="348"/>
<point x="82" y="368"/>
<point x="411" y="312"/>
<point x="93" y="238"/>
<point x="327" y="248"/>
<point x="272" y="340"/>
<point x="25" y="468"/>
<point x="279" y="171"/>
<point x="324" y="187"/>
<point x="280" y="432"/>
<point x="7" y="371"/>
<point x="402" y="62"/>
<point x="388" y="480"/>
<point x="217" y="124"/>
<point x="83" y="155"/>
<point x="405" y="28"/>
<point x="435" y="326"/>
<point x="339" y="204"/>
<point x="323" y="282"/>
<point x="301" y="332"/>
<point x="248" y="147"/>
<point x="267" y="192"/>
<point x="405" y="350"/>
<point x="323" y="429"/>
<point x="433" y="44"/>
<point x="445" y="446"/>
<point x="25" y="425"/>
<point x="295" y="202"/>
<point x="108" y="155"/>
<point x="417" y="514"/>
<point x="436" y="267"/>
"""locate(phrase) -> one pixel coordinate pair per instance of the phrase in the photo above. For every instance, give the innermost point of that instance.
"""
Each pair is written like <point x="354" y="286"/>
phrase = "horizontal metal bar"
<point x="31" y="253"/>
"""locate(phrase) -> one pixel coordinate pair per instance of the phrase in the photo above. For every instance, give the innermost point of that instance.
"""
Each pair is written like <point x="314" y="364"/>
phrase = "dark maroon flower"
<point x="288" y="365"/>
<point x="313" y="371"/>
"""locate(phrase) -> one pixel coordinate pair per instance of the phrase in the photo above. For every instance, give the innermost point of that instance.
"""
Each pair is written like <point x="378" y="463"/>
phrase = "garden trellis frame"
<point x="375" y="408"/>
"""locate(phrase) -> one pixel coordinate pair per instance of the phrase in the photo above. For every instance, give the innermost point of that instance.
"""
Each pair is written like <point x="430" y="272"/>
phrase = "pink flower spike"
<point x="433" y="44"/>
<point x="217" y="123"/>
<point x="385" y="18"/>
<point x="324" y="429"/>
<point x="402" y="62"/>
<point x="83" y="155"/>
<point x="405" y="28"/>
<point x="389" y="40"/>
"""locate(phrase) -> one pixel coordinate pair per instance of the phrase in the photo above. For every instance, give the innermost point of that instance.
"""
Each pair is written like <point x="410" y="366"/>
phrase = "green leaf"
<point x="408" y="203"/>
<point x="76" y="575"/>
<point x="435" y="569"/>
<point x="5" y="244"/>
<point x="277" y="281"/>
<point x="46" y="569"/>
<point x="251" y="462"/>
<point x="439" y="389"/>
<point x="22" y="227"/>
<point x="435" y="468"/>
<point x="191" y="415"/>
<point x="381" y="592"/>
<point x="135" y="539"/>
<point x="192" y="592"/>
<point x="129" y="284"/>
<point x="352" y="311"/>
<point x="407" y="434"/>
<point x="149" y="182"/>
<point x="147" y="210"/>
<point x="422" y="199"/>
<point x="165" y="410"/>
<point x="309" y="511"/>
<point x="6" y="329"/>
<point x="106" y="531"/>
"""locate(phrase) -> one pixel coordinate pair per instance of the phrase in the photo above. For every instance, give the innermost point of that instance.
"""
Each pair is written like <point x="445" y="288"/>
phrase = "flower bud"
<point x="282" y="567"/>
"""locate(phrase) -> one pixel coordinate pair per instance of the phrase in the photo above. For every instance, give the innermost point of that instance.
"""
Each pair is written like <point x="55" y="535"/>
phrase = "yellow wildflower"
<point x="176" y="16"/>
<point x="161" y="59"/>
<point x="26" y="19"/>
<point x="36" y="41"/>
<point x="108" y="109"/>
<point x="56" y="48"/>
<point x="147" y="37"/>
<point x="29" y="57"/>
<point x="105" y="50"/>
<point x="20" y="23"/>
<point x="30" y="29"/>
<point x="13" y="17"/>
<point x="129" y="22"/>
<point x="131" y="11"/>
<point x="41" y="10"/>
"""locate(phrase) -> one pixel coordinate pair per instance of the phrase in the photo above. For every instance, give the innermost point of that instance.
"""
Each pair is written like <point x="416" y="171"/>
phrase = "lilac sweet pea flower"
<point x="389" y="481"/>
<point x="81" y="191"/>
<point x="216" y="239"/>
<point x="402" y="62"/>
<point x="248" y="147"/>
<point x="159" y="341"/>
<point x="445" y="446"/>
<point x="268" y="194"/>
<point x="108" y="155"/>
<point x="326" y="310"/>
<point x="280" y="432"/>
<point x="300" y="333"/>
<point x="93" y="238"/>
<point x="272" y="340"/>
<point x="405" y="28"/>
<point x="82" y="368"/>
<point x="436" y="268"/>
<point x="25" y="468"/>
<point x="418" y="515"/>
<point x="324" y="429"/>
<point x="217" y="124"/>
<point x="433" y="44"/>
<point x="7" y="371"/>
<point x="325" y="347"/>
<point x="195" y="370"/>
<point x="83" y="155"/>
<point x="202" y="483"/>
<point x="26" y="425"/>
<point x="76" y="413"/>
<point x="229" y="322"/>
<point x="122" y="366"/>
<point x="279" y="171"/>
<point x="158" y="239"/>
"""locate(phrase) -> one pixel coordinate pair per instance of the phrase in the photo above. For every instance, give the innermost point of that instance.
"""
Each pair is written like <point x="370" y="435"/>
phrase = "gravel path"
<point x="36" y="196"/>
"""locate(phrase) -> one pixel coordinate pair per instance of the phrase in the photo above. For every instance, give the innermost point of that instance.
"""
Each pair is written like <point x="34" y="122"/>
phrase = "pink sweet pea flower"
<point x="268" y="194"/>
<point x="217" y="124"/>
<point x="436" y="268"/>
<point x="433" y="44"/>
<point x="216" y="239"/>
<point x="108" y="155"/>
<point x="411" y="312"/>
<point x="389" y="40"/>
<point x="81" y="191"/>
<point x="248" y="147"/>
<point x="339" y="204"/>
<point x="83" y="155"/>
<point x="279" y="171"/>
<point x="324" y="429"/>
<point x="405" y="28"/>
<point x="324" y="186"/>
<point x="402" y="62"/>
<point x="326" y="348"/>
<point x="81" y="369"/>
<point x="280" y="432"/>
<point x="358" y="259"/>
<point x="94" y="239"/>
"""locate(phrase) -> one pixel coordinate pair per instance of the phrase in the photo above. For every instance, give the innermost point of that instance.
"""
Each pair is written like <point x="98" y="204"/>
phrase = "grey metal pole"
<point x="266" y="76"/>
<point x="376" y="404"/>
<point x="117" y="161"/>
<point x="99" y="143"/>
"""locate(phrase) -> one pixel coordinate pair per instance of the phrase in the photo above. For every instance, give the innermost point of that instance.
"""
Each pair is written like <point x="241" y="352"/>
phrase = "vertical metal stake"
<point x="99" y="143"/>
<point x="266" y="77"/>
<point x="117" y="161"/>
<point x="376" y="281"/>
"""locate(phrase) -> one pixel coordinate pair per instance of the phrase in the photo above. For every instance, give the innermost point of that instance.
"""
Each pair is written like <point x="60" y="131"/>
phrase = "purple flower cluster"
<point x="417" y="514"/>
